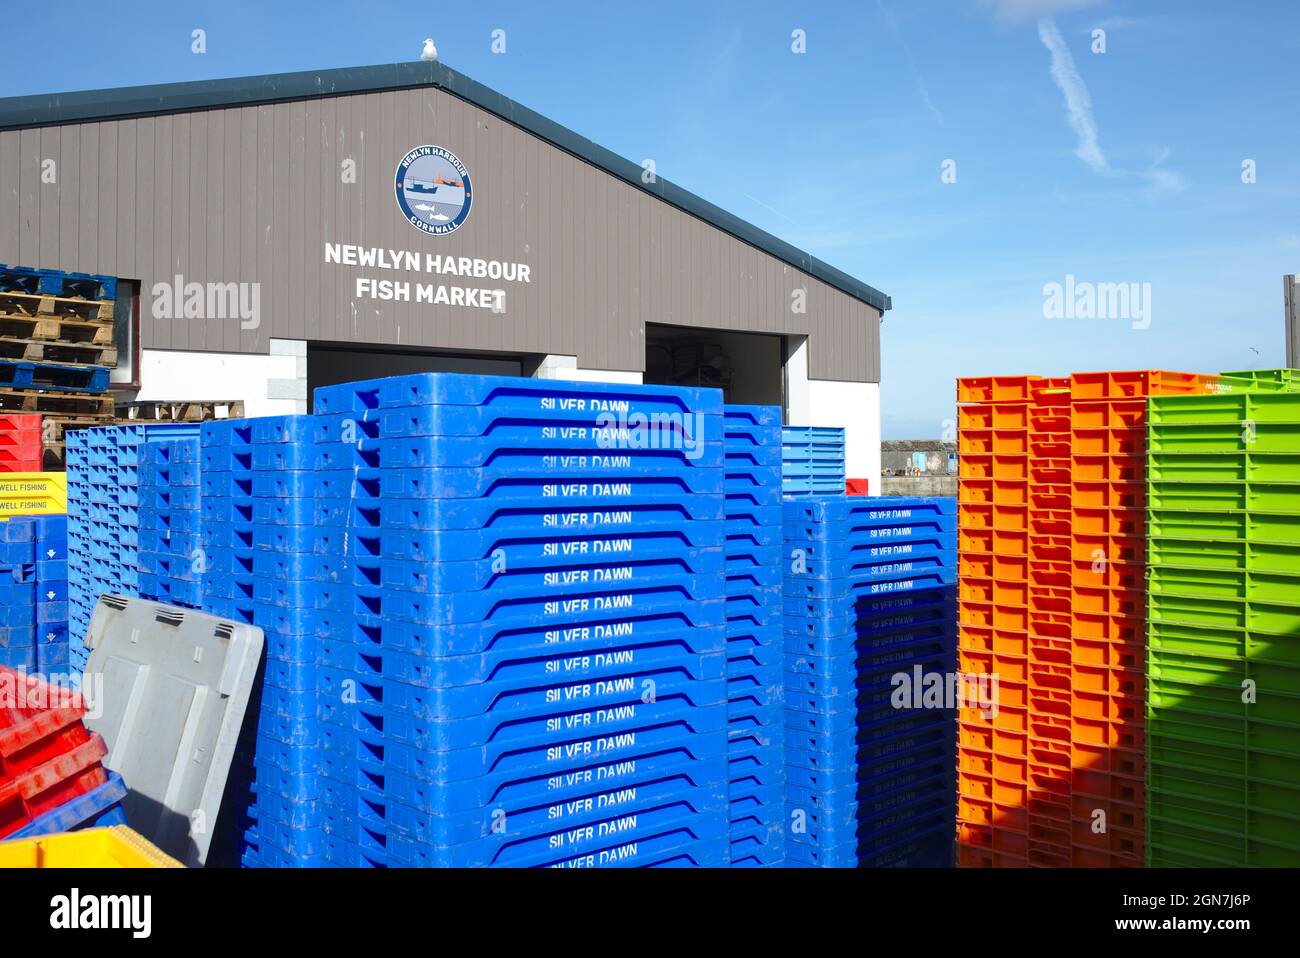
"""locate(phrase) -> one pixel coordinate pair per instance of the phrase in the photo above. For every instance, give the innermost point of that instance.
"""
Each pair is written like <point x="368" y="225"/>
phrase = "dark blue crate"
<point x="85" y="810"/>
<point x="63" y="378"/>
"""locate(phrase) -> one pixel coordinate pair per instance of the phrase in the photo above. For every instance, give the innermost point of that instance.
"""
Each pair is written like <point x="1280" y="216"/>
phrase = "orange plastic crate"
<point x="1128" y="523"/>
<point x="1093" y="547"/>
<point x="994" y="516"/>
<point x="988" y="565"/>
<point x="1108" y="787"/>
<point x="997" y="541"/>
<point x="1127" y="683"/>
<point x="996" y="591"/>
<point x="1121" y="631"/>
<point x="1088" y="494"/>
<point x="1108" y="468"/>
<point x="989" y="389"/>
<point x="1106" y="414"/>
<point x="1121" y="602"/>
<point x="1113" y="655"/>
<point x="1048" y="574"/>
<point x="986" y="639"/>
<point x="1050" y="625"/>
<point x="1134" y="384"/>
<point x="1126" y="763"/>
<point x="1015" y="618"/>
<point x="1131" y="442"/>
<point x="1003" y="491"/>
<point x="1050" y="523"/>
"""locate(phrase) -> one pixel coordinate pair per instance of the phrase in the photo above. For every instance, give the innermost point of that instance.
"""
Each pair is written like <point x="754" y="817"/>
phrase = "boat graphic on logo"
<point x="433" y="189"/>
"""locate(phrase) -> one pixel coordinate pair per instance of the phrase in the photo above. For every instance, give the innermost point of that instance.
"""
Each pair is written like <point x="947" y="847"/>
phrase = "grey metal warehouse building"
<point x="283" y="232"/>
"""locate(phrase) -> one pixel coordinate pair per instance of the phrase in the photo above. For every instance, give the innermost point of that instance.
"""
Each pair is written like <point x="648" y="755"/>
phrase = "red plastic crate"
<point x="44" y="788"/>
<point x="20" y="423"/>
<point x="36" y="740"/>
<point x="32" y="696"/>
<point x="857" y="487"/>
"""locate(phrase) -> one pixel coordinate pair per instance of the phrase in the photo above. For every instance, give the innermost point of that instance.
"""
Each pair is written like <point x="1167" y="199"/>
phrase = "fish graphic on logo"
<point x="433" y="189"/>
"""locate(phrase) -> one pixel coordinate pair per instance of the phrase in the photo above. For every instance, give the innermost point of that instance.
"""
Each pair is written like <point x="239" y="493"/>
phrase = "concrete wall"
<point x="896" y="455"/>
<point x="918" y="485"/>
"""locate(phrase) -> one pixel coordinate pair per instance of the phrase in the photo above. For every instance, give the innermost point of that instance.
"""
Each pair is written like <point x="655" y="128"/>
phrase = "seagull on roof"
<point x="430" y="52"/>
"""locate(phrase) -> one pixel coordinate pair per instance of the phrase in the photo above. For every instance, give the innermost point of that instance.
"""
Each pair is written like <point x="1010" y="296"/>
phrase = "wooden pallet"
<point x="56" y="329"/>
<point x="42" y="304"/>
<point x="45" y="401"/>
<point x="55" y="428"/>
<point x="39" y="351"/>
<point x="161" y="410"/>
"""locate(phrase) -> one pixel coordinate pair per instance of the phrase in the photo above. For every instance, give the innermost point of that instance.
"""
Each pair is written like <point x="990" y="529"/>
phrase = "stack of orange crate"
<point x="1049" y="765"/>
<point x="1051" y="530"/>
<point x="993" y="615"/>
<point x="1108" y="415"/>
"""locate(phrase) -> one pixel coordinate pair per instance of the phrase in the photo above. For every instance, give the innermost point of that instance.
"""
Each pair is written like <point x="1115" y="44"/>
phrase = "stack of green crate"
<point x="1223" y="661"/>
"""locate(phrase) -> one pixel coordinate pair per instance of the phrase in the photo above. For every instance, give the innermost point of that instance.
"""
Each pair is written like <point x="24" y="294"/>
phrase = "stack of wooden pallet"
<point x="179" y="410"/>
<point x="56" y="350"/>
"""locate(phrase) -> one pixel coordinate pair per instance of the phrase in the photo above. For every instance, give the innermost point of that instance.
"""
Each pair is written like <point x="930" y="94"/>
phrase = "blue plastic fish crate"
<point x="872" y="599"/>
<point x="52" y="282"/>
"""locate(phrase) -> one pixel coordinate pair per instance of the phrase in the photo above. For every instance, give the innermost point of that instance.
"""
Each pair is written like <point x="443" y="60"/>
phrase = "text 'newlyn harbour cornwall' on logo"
<point x="433" y="190"/>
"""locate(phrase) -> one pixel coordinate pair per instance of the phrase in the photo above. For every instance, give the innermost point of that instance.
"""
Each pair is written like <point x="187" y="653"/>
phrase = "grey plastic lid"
<point x="167" y="688"/>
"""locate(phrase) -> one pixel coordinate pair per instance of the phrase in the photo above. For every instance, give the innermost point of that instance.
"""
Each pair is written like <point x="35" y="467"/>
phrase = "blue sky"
<point x="1115" y="167"/>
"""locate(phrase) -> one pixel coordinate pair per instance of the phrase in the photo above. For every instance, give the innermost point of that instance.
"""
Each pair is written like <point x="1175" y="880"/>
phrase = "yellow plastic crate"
<point x="116" y="847"/>
<point x="33" y="494"/>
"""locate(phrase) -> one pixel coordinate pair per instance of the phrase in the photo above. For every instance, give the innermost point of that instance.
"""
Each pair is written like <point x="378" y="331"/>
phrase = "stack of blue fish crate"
<point x="258" y="536"/>
<point x="812" y="460"/>
<point x="18" y="594"/>
<point x="95" y="532"/>
<point x="870" y="629"/>
<point x="170" y="557"/>
<point x="755" y="647"/>
<point x="51" y="537"/>
<point x="527" y="602"/>
<point x="104" y="486"/>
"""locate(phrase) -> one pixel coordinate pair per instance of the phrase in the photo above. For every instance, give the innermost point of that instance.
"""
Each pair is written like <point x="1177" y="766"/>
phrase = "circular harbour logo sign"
<point x="433" y="189"/>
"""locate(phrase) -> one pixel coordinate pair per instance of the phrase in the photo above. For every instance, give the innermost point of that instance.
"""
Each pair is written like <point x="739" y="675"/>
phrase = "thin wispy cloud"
<point x="1023" y="11"/>
<point x="911" y="62"/>
<point x="1078" y="104"/>
<point x="1078" y="110"/>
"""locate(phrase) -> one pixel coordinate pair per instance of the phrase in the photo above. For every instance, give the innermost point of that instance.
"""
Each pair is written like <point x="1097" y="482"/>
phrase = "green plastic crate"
<point x="1210" y="583"/>
<point x="1212" y="497"/>
<point x="1259" y="380"/>
<point x="1227" y="438"/>
<point x="1189" y="610"/>
<point x="1273" y="557"/>
<point x="1273" y="467"/>
<point x="1225" y="554"/>
<point x="1200" y="409"/>
<point x="1277" y="618"/>
<point x="1275" y="649"/>
<point x="1173" y="752"/>
<point x="1197" y="640"/>
<point x="1280" y="528"/>
<point x="1189" y="524"/>
<point x="1276" y="497"/>
<point x="1198" y="809"/>
<point x="1178" y="467"/>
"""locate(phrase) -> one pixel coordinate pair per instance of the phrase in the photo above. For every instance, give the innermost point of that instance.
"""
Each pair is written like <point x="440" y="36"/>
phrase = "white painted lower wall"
<point x="171" y="374"/>
<point x="855" y="406"/>
<point x="566" y="367"/>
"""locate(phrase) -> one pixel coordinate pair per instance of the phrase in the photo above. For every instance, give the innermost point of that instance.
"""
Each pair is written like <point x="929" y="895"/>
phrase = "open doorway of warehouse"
<point x="332" y="363"/>
<point x="749" y="368"/>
